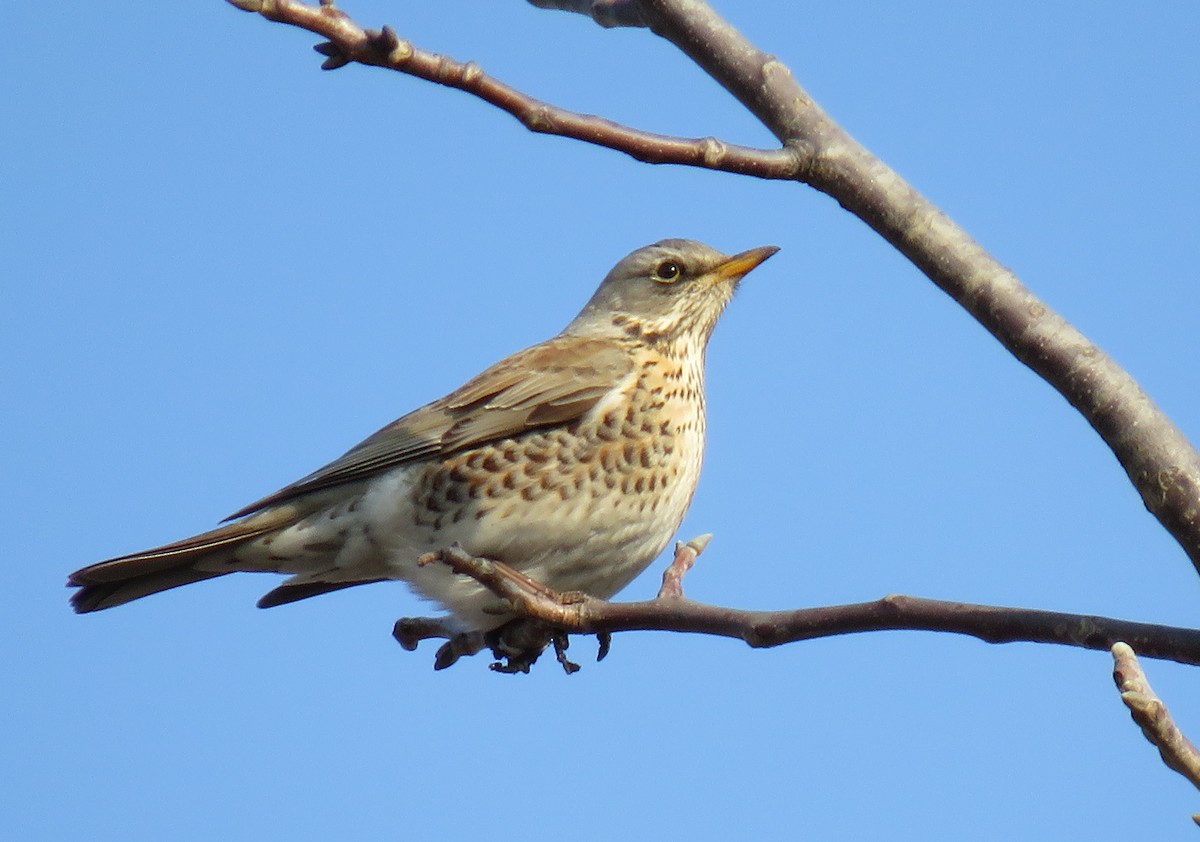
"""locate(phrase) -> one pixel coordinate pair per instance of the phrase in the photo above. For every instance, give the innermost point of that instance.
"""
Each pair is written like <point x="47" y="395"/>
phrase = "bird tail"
<point x="129" y="577"/>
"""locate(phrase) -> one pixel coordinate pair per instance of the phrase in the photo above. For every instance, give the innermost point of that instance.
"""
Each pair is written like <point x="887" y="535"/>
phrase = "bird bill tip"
<point x="741" y="263"/>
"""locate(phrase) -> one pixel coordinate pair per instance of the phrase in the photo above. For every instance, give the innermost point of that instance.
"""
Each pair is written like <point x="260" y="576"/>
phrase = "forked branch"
<point x="348" y="42"/>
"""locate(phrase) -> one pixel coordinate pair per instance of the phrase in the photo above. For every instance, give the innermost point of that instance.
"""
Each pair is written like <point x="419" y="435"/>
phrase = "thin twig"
<point x="349" y="42"/>
<point x="1152" y="716"/>
<point x="685" y="557"/>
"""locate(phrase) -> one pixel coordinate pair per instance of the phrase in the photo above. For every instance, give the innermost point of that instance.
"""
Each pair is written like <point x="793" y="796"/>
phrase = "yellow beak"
<point x="740" y="264"/>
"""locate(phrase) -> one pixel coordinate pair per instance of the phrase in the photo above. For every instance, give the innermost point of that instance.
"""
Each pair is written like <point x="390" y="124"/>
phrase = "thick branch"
<point x="578" y="613"/>
<point x="1161" y="463"/>
<point x="1152" y="716"/>
<point x="349" y="42"/>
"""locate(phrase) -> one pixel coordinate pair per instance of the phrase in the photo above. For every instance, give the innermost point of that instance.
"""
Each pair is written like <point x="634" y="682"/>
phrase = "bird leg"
<point x="515" y="645"/>
<point x="498" y="577"/>
<point x="518" y="644"/>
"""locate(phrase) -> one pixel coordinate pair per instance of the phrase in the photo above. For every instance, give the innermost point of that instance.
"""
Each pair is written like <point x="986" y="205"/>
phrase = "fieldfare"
<point x="572" y="461"/>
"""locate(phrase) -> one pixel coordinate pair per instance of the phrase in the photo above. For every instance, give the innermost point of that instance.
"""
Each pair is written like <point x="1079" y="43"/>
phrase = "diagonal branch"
<point x="582" y="614"/>
<point x="1160" y="461"/>
<point x="1152" y="716"/>
<point x="349" y="42"/>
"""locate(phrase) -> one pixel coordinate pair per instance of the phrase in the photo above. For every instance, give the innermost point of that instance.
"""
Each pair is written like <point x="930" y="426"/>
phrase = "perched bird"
<point x="572" y="461"/>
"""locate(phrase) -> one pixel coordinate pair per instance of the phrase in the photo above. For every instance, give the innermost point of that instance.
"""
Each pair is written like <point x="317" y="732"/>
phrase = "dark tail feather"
<point x="120" y="580"/>
<point x="286" y="593"/>
<point x="95" y="597"/>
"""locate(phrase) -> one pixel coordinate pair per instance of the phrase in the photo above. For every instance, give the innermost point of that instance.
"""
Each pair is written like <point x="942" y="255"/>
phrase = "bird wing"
<point x="551" y="383"/>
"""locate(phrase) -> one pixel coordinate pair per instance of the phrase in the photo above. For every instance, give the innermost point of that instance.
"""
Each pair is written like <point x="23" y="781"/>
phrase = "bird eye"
<point x="667" y="271"/>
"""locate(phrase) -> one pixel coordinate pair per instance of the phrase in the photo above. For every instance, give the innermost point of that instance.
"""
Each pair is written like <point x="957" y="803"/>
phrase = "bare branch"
<point x="349" y="42"/>
<point x="685" y="557"/>
<point x="1152" y="716"/>
<point x="1160" y="462"/>
<point x="581" y="614"/>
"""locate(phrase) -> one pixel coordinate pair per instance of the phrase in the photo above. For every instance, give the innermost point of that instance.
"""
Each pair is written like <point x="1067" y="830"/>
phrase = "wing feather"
<point x="551" y="383"/>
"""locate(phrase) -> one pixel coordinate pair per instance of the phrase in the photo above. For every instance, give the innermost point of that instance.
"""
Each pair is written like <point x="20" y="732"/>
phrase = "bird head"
<point x="671" y="289"/>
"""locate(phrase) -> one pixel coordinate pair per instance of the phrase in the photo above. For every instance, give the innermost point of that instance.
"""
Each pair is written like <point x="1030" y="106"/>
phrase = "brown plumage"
<point x="573" y="460"/>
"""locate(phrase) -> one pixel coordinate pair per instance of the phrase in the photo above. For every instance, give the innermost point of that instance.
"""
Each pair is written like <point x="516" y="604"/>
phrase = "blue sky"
<point x="224" y="267"/>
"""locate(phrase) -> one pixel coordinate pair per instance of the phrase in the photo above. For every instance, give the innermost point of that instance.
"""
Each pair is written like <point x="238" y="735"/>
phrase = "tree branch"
<point x="1160" y="462"/>
<point x="581" y="614"/>
<point x="349" y="42"/>
<point x="1151" y="714"/>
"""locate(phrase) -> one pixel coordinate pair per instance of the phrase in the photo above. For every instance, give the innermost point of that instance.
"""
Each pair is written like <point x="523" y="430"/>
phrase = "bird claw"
<point x="518" y="644"/>
<point x="409" y="631"/>
<point x="604" y="641"/>
<point x="456" y="647"/>
<point x="521" y="657"/>
<point x="561" y="642"/>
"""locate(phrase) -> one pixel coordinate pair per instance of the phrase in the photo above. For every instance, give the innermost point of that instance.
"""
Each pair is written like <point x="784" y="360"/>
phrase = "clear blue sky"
<point x="223" y="267"/>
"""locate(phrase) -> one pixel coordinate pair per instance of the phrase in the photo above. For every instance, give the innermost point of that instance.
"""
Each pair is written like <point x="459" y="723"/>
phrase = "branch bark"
<point x="1152" y="716"/>
<point x="581" y="614"/>
<point x="348" y="42"/>
<point x="1159" y="460"/>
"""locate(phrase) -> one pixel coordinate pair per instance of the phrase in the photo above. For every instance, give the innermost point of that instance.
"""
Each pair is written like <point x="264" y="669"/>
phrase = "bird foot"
<point x="410" y="631"/>
<point x="516" y="645"/>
